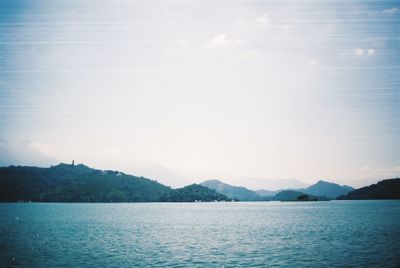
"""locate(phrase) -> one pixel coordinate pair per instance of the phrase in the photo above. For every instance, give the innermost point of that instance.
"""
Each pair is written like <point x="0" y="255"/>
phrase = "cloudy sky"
<point x="183" y="91"/>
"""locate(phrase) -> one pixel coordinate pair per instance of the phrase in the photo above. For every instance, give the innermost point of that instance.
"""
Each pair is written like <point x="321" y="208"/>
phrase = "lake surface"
<point x="278" y="234"/>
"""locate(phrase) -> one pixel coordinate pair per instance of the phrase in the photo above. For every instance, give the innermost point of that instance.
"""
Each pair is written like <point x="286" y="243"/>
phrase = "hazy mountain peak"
<point x="328" y="189"/>
<point x="271" y="184"/>
<point x="215" y="181"/>
<point x="234" y="192"/>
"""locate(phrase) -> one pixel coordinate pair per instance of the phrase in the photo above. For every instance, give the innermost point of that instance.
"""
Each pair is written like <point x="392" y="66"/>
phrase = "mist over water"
<point x="284" y="234"/>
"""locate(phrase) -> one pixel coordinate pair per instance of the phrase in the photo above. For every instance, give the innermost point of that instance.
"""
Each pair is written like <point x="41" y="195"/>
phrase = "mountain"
<point x="287" y="195"/>
<point x="265" y="193"/>
<point x="291" y="195"/>
<point x="192" y="193"/>
<point x="386" y="189"/>
<point x="233" y="192"/>
<point x="76" y="183"/>
<point x="270" y="184"/>
<point x="328" y="189"/>
<point x="80" y="183"/>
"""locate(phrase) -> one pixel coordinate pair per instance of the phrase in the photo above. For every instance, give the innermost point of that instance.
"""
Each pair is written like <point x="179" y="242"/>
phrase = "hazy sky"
<point x="183" y="91"/>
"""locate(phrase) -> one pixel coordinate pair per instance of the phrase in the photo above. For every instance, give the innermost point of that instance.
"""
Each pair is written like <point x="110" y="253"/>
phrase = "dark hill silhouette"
<point x="287" y="195"/>
<point x="385" y="189"/>
<point x="76" y="183"/>
<point x="194" y="192"/>
<point x="80" y="183"/>
<point x="290" y="195"/>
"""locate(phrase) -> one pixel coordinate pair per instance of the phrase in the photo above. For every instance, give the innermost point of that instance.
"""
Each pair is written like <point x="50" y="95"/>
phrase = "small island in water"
<point x="80" y="183"/>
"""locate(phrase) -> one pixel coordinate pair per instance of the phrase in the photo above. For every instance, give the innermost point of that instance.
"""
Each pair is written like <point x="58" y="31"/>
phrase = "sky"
<point x="262" y="94"/>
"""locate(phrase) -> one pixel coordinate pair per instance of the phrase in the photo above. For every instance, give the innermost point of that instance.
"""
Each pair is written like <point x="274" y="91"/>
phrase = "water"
<point x="278" y="234"/>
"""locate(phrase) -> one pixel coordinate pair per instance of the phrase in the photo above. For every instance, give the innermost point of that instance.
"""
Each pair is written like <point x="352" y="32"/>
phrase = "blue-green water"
<point x="298" y="234"/>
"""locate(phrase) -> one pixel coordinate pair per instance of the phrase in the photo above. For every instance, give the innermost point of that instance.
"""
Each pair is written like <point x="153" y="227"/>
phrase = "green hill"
<point x="290" y="195"/>
<point x="80" y="183"/>
<point x="287" y="195"/>
<point x="76" y="183"/>
<point x="194" y="193"/>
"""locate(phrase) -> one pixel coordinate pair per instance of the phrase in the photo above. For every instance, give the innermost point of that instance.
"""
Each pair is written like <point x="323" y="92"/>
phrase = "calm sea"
<point x="278" y="234"/>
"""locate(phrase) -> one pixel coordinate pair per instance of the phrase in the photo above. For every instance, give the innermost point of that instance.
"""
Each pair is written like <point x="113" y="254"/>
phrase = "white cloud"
<point x="217" y="41"/>
<point x="313" y="62"/>
<point x="381" y="172"/>
<point x="252" y="53"/>
<point x="331" y="28"/>
<point x="364" y="51"/>
<point x="182" y="43"/>
<point x="396" y="170"/>
<point x="359" y="51"/>
<point x="25" y="153"/>
<point x="264" y="19"/>
<point x="393" y="10"/>
<point x="42" y="148"/>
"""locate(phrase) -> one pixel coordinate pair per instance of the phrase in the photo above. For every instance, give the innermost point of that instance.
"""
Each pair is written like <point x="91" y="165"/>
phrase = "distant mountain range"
<point x="234" y="192"/>
<point x="322" y="190"/>
<point x="265" y="193"/>
<point x="80" y="183"/>
<point x="270" y="184"/>
<point x="386" y="189"/>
